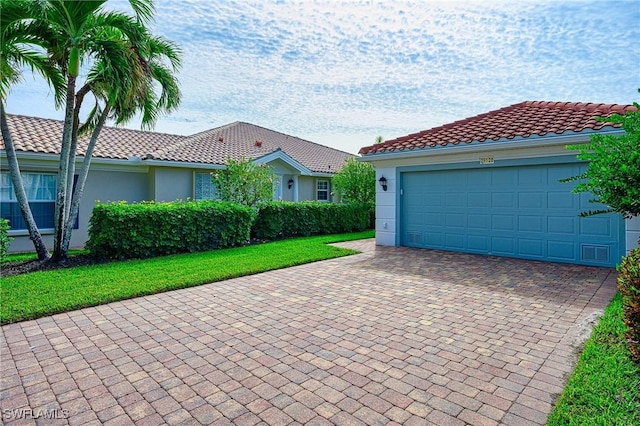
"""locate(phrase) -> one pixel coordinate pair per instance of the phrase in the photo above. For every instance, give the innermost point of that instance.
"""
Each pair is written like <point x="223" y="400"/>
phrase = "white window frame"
<point x="327" y="190"/>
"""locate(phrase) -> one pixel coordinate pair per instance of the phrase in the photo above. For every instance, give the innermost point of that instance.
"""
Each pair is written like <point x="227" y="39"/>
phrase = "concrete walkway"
<point x="390" y="336"/>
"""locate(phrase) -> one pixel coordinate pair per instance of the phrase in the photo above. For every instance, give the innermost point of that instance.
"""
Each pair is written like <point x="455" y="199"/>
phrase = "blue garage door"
<point x="522" y="212"/>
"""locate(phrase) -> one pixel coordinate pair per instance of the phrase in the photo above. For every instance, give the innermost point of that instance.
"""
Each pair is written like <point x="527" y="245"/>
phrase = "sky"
<point x="341" y="73"/>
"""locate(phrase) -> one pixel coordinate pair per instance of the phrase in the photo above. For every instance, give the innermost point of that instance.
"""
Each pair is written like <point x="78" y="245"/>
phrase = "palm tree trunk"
<point x="18" y="187"/>
<point x="60" y="217"/>
<point x="82" y="177"/>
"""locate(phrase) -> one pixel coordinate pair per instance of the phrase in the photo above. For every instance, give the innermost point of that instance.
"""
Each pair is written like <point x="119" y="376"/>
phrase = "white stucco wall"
<point x="386" y="207"/>
<point x="171" y="184"/>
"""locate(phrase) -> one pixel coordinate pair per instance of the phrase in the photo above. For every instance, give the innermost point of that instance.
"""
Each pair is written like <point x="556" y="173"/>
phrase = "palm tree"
<point x="124" y="64"/>
<point x="123" y="88"/>
<point x="22" y="46"/>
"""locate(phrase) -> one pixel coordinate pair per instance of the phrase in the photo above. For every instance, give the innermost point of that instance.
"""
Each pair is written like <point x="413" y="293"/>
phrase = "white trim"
<point x="281" y="155"/>
<point x="328" y="200"/>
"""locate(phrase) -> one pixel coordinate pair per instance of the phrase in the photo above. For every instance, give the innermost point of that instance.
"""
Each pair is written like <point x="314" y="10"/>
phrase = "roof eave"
<point x="519" y="142"/>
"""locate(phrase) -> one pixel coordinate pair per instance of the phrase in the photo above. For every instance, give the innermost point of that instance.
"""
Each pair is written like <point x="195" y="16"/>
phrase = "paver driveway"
<point x="391" y="336"/>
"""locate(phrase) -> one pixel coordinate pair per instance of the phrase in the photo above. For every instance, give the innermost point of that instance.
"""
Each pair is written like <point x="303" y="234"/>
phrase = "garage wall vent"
<point x="414" y="237"/>
<point x="594" y="253"/>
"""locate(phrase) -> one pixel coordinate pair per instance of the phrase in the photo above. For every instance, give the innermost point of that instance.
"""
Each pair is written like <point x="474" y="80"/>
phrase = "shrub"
<point x="121" y="230"/>
<point x="5" y="240"/>
<point x="244" y="182"/>
<point x="629" y="286"/>
<point x="282" y="219"/>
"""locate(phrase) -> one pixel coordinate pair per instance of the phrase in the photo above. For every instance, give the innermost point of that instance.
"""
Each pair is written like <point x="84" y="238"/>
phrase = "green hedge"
<point x="281" y="219"/>
<point x="122" y="231"/>
<point x="5" y="240"/>
<point x="629" y="286"/>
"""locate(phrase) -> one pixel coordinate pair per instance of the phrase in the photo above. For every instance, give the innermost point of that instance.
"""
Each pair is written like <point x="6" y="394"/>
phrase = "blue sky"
<point x="341" y="73"/>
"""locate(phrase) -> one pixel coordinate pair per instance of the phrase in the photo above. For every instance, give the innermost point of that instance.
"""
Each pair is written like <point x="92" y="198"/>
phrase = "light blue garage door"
<point x="522" y="212"/>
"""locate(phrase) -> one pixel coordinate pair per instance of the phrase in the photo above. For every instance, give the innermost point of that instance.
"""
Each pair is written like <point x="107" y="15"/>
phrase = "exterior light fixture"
<point x="290" y="183"/>
<point x="383" y="182"/>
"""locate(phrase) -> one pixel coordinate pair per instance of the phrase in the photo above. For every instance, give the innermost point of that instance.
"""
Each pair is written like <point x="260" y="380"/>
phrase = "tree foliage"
<point x="245" y="182"/>
<point x="356" y="182"/>
<point x="125" y="71"/>
<point x="613" y="173"/>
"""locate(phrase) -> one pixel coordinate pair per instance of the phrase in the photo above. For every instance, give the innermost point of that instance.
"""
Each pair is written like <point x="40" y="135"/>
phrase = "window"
<point x="322" y="190"/>
<point x="204" y="188"/>
<point x="41" y="194"/>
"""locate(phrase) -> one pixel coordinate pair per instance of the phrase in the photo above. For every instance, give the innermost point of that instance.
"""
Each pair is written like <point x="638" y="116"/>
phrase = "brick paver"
<point x="390" y="336"/>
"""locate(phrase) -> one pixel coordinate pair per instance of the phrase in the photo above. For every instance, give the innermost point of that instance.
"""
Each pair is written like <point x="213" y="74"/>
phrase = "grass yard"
<point x="37" y="294"/>
<point x="605" y="386"/>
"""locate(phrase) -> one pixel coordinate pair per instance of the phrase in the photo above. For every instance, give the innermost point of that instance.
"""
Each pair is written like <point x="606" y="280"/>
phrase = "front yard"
<point x="37" y="294"/>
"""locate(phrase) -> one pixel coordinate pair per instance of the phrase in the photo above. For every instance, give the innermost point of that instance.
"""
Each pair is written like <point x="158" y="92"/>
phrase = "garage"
<point x="514" y="211"/>
<point x="490" y="185"/>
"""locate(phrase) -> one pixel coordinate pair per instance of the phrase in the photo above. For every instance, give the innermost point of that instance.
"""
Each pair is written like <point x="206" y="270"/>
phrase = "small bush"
<point x="122" y="231"/>
<point x="281" y="219"/>
<point x="629" y="286"/>
<point x="5" y="240"/>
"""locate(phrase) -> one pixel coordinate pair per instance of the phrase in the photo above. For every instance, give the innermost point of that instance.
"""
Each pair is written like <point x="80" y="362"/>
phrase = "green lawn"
<point x="37" y="294"/>
<point x="605" y="386"/>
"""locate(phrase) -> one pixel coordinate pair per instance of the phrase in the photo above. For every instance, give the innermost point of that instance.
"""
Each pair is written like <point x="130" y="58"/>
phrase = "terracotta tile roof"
<point x="33" y="134"/>
<point x="243" y="140"/>
<point x="235" y="140"/>
<point x="519" y="120"/>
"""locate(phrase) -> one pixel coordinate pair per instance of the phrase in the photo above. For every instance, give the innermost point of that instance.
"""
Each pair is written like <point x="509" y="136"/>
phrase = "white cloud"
<point x="341" y="73"/>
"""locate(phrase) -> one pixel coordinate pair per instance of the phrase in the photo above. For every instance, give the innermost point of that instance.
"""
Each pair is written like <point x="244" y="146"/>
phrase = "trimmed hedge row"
<point x="122" y="231"/>
<point x="282" y="219"/>
<point x="5" y="240"/>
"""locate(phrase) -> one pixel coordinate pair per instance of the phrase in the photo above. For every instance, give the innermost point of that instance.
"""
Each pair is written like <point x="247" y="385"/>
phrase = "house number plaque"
<point x="486" y="160"/>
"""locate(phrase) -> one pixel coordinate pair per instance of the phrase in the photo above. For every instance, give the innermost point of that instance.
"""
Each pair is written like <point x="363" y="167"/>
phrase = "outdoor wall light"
<point x="290" y="183"/>
<point x="383" y="182"/>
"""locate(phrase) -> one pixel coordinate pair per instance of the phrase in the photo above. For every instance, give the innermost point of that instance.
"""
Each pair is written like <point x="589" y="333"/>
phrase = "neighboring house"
<point x="489" y="184"/>
<point x="133" y="166"/>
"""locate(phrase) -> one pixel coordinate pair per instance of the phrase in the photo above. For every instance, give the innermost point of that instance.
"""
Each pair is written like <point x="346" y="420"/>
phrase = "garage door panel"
<point x="479" y="222"/>
<point x="599" y="226"/>
<point x="561" y="200"/>
<point x="502" y="200"/>
<point x="532" y="177"/>
<point x="456" y="220"/>
<point x="455" y="199"/>
<point x="480" y="199"/>
<point x="531" y="247"/>
<point x="479" y="178"/>
<point x="562" y="224"/>
<point x="502" y="222"/>
<point x="478" y="243"/>
<point x="503" y="245"/>
<point x="561" y="250"/>
<point x="454" y="241"/>
<point x="435" y="239"/>
<point x="509" y="211"/>
<point x="530" y="223"/>
<point x="531" y="200"/>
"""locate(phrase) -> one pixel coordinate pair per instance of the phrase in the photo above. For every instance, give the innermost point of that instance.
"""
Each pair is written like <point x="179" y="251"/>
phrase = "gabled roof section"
<point x="243" y="140"/>
<point x="42" y="135"/>
<point x="279" y="154"/>
<point x="522" y="120"/>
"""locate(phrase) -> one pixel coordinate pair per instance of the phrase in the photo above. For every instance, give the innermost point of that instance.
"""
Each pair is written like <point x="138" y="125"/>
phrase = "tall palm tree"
<point x="123" y="84"/>
<point x="124" y="63"/>
<point x="22" y="43"/>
